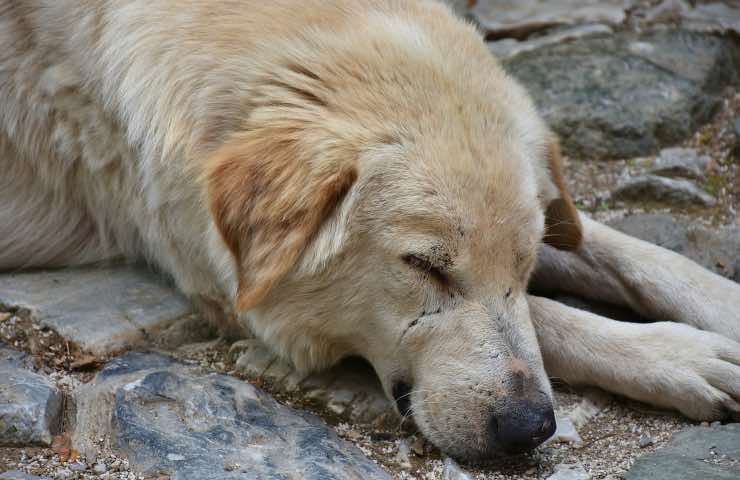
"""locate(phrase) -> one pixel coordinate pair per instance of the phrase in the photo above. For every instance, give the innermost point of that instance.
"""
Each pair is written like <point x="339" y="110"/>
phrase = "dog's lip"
<point x="401" y="391"/>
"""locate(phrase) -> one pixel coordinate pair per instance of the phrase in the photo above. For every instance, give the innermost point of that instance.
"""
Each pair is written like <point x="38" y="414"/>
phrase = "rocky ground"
<point x="645" y="96"/>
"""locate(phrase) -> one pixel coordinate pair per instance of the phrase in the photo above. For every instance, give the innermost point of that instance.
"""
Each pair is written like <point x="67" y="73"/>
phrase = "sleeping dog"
<point x="346" y="177"/>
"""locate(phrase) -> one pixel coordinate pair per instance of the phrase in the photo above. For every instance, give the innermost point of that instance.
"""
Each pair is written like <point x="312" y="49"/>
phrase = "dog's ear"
<point x="268" y="197"/>
<point x="563" y="228"/>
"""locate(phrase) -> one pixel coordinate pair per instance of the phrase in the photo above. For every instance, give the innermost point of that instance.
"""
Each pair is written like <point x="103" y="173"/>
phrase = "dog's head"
<point x="387" y="199"/>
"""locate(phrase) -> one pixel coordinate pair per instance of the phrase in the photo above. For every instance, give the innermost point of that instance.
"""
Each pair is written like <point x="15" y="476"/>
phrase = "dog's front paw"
<point x="690" y="370"/>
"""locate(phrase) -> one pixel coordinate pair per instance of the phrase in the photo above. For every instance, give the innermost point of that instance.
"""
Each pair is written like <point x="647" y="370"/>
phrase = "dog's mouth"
<point x="401" y="392"/>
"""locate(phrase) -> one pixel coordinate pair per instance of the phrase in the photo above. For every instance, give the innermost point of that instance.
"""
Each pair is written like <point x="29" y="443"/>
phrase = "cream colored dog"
<point x="353" y="177"/>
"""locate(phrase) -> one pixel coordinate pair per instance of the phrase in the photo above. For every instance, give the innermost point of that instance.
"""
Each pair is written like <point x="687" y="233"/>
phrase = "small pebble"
<point x="566" y="471"/>
<point x="402" y="457"/>
<point x="416" y="444"/>
<point x="77" y="466"/>
<point x="645" y="440"/>
<point x="565" y="432"/>
<point x="454" y="472"/>
<point x="64" y="473"/>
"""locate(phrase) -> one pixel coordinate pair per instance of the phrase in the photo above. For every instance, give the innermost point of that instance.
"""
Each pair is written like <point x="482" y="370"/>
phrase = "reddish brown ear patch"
<point x="268" y="197"/>
<point x="563" y="228"/>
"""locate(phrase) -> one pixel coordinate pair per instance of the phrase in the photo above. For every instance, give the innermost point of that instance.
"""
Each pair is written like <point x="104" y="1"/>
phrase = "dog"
<point x="346" y="177"/>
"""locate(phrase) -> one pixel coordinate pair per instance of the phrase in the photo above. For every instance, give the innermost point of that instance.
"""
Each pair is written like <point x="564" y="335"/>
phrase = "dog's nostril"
<point x="493" y="426"/>
<point x="547" y="427"/>
<point x="402" y="395"/>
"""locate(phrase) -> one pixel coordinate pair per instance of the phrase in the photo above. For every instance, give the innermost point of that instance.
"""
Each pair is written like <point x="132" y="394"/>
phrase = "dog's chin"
<point x="468" y="453"/>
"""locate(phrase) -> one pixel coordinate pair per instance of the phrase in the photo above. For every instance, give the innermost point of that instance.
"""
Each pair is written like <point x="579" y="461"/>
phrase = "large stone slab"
<point x="101" y="309"/>
<point x="627" y="95"/>
<point x="30" y="404"/>
<point x="717" y="249"/>
<point x="168" y="418"/>
<point x="697" y="453"/>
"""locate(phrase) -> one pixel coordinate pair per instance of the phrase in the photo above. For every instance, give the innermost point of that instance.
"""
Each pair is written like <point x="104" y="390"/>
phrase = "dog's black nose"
<point x="522" y="425"/>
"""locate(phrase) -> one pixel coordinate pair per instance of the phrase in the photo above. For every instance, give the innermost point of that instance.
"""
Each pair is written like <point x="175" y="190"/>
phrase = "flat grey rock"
<point x="101" y="309"/>
<point x="517" y="18"/>
<point x="661" y="189"/>
<point x="680" y="162"/>
<point x="717" y="249"/>
<point x="697" y="453"/>
<point x="14" y="357"/>
<point x="628" y="95"/>
<point x="18" y="475"/>
<point x="168" y="418"/>
<point x="30" y="405"/>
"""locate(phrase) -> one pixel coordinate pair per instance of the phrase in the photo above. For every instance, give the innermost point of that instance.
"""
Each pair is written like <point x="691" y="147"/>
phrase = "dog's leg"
<point x="654" y="282"/>
<point x="665" y="364"/>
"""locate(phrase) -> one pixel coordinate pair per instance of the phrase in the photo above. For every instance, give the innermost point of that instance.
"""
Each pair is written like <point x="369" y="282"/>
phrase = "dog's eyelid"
<point x="422" y="262"/>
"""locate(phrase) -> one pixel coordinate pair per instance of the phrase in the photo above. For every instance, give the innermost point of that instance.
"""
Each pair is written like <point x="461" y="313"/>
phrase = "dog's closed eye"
<point x="420" y="262"/>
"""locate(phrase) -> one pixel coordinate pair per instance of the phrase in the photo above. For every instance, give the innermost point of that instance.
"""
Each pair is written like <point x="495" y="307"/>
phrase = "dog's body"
<point x="291" y="158"/>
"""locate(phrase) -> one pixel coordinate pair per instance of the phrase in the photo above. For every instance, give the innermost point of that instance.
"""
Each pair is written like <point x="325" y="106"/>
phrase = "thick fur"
<point x="361" y="178"/>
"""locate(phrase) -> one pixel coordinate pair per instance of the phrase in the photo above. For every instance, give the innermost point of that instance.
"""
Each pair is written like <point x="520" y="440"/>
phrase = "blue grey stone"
<point x="168" y="418"/>
<point x="30" y="405"/>
<point x="697" y="453"/>
<point x="15" y="357"/>
<point x="101" y="309"/>
<point x="18" y="475"/>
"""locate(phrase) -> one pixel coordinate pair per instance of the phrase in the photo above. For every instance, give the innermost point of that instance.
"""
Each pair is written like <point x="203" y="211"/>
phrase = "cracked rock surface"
<point x="167" y="418"/>
<point x="30" y="404"/>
